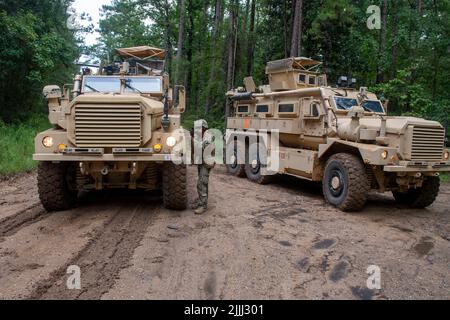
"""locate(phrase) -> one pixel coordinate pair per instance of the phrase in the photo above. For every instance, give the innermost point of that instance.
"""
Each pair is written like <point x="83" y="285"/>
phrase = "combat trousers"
<point x="202" y="186"/>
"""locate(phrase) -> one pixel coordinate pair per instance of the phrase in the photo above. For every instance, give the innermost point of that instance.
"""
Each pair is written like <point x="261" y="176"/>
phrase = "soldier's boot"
<point x="195" y="205"/>
<point x="200" y="210"/>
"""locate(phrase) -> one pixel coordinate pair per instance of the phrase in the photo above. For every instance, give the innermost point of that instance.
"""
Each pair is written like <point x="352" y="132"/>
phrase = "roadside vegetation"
<point x="17" y="144"/>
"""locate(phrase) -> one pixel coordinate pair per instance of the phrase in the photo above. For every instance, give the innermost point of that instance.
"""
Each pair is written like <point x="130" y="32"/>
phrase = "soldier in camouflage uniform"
<point x="204" y="170"/>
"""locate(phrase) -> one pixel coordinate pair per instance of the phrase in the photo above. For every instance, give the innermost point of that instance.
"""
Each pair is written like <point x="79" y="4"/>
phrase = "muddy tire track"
<point x="30" y="215"/>
<point x="101" y="261"/>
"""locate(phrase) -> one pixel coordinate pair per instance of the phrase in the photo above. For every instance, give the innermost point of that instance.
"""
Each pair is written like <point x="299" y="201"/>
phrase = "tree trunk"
<point x="232" y="44"/>
<point x="232" y="41"/>
<point x="394" y="53"/>
<point x="218" y="19"/>
<point x="180" y="41"/>
<point x="415" y="35"/>
<point x="287" y="40"/>
<point x="297" y="32"/>
<point x="167" y="43"/>
<point x="382" y="46"/>
<point x="251" y="39"/>
<point x="189" y="83"/>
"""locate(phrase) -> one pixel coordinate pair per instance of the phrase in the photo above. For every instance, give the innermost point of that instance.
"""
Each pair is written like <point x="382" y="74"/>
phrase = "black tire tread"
<point x="422" y="197"/>
<point x="175" y="186"/>
<point x="52" y="187"/>
<point x="358" y="184"/>
<point x="240" y="173"/>
<point x="259" y="179"/>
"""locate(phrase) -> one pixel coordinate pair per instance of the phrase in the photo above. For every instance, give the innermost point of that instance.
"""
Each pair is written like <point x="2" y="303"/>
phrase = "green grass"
<point x="445" y="177"/>
<point x="17" y="144"/>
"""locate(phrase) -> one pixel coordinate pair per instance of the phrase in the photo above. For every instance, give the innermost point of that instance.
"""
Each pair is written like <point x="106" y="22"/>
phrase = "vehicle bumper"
<point x="419" y="167"/>
<point x="97" y="155"/>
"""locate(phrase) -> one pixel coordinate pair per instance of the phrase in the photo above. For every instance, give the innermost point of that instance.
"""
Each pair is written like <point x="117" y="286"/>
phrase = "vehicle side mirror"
<point x="180" y="98"/>
<point x="52" y="92"/>
<point x="386" y="105"/>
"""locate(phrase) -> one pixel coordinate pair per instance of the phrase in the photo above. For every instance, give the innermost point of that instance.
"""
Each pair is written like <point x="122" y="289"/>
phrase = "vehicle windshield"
<point x="368" y="105"/>
<point x="101" y="84"/>
<point x="143" y="85"/>
<point x="132" y="84"/>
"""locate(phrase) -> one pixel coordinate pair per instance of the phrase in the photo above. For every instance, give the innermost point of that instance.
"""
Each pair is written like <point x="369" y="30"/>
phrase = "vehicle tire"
<point x="345" y="182"/>
<point x="174" y="186"/>
<point x="57" y="186"/>
<point x="235" y="169"/>
<point x="421" y="197"/>
<point x="253" y="170"/>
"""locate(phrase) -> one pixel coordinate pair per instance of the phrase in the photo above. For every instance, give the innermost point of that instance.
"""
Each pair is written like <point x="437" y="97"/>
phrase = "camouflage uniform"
<point x="204" y="170"/>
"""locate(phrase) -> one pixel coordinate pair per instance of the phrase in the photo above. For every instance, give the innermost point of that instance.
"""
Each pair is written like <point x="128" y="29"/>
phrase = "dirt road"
<point x="257" y="242"/>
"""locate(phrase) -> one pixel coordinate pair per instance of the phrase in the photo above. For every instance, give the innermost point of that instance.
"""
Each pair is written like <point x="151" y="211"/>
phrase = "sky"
<point x="92" y="7"/>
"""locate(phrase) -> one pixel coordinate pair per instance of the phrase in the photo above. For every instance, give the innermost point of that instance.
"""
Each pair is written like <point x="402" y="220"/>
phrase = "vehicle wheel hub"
<point x="335" y="183"/>
<point x="233" y="161"/>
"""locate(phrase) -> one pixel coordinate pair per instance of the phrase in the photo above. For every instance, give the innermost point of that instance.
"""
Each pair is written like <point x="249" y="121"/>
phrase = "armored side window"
<point x="243" y="109"/>
<point x="321" y="81"/>
<point x="286" y="108"/>
<point x="312" y="80"/>
<point x="262" y="108"/>
<point x="315" y="109"/>
<point x="302" y="78"/>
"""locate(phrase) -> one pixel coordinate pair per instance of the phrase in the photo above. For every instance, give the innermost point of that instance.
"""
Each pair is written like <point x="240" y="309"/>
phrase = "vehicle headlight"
<point x="385" y="154"/>
<point x="446" y="155"/>
<point x="47" y="142"/>
<point x="171" y="142"/>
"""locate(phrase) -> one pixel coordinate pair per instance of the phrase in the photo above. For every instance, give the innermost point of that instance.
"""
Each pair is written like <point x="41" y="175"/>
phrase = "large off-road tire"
<point x="57" y="186"/>
<point x="421" y="197"/>
<point x="254" y="172"/>
<point x="174" y="186"/>
<point x="235" y="169"/>
<point x="345" y="182"/>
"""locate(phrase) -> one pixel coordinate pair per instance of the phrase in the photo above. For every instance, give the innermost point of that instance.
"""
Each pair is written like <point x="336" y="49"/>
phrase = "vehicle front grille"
<point x="106" y="126"/>
<point x="427" y="144"/>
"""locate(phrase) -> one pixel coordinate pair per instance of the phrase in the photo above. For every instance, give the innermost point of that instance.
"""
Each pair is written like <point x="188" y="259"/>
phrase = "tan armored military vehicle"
<point x="113" y="130"/>
<point x="339" y="136"/>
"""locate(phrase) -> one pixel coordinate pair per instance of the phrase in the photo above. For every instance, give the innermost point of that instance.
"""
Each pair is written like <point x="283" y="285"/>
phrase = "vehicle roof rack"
<point x="143" y="52"/>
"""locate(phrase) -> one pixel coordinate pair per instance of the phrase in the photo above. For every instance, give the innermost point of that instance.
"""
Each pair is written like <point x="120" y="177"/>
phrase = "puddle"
<point x="285" y="243"/>
<point x="424" y="246"/>
<point x="339" y="271"/>
<point x="324" y="244"/>
<point x="362" y="293"/>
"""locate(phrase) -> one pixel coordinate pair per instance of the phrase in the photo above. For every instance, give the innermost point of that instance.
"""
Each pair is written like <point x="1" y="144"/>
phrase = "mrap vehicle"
<point x="339" y="136"/>
<point x="113" y="130"/>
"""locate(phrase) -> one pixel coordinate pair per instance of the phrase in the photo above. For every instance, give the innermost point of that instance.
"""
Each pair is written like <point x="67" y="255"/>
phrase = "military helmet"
<point x="204" y="124"/>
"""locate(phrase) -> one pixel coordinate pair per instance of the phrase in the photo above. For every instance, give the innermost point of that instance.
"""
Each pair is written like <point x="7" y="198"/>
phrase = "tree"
<point x="182" y="5"/>
<point x="251" y="38"/>
<point x="297" y="32"/>
<point x="36" y="48"/>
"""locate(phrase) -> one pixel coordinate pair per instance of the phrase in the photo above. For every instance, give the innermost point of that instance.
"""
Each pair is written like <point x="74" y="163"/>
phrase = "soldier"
<point x="204" y="169"/>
